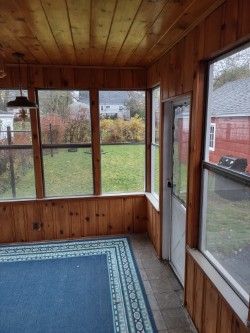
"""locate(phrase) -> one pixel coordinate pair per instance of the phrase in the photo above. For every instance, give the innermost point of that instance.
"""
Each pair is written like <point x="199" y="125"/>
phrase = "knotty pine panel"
<point x="67" y="77"/>
<point x="71" y="218"/>
<point x="208" y="309"/>
<point x="226" y="26"/>
<point x="154" y="227"/>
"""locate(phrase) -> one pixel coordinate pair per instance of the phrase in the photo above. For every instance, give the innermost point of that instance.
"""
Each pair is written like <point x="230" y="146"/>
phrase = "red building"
<point x="230" y="121"/>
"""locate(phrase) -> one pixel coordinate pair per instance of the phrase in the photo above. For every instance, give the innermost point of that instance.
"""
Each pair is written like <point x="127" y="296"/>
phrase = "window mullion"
<point x="36" y="143"/>
<point x="95" y="133"/>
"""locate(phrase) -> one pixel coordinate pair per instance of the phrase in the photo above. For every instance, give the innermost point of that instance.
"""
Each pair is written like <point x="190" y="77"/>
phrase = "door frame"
<point x="167" y="170"/>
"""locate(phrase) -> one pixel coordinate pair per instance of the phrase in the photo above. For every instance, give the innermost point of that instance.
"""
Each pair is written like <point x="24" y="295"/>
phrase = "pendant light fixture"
<point x="20" y="101"/>
<point x="2" y="70"/>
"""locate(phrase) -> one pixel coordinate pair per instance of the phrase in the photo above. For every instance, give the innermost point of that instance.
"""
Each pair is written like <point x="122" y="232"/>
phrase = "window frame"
<point x="212" y="125"/>
<point x="145" y="139"/>
<point x="65" y="145"/>
<point x="217" y="170"/>
<point x="13" y="147"/>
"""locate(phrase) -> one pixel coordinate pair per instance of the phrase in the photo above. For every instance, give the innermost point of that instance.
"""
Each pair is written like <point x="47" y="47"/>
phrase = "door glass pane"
<point x="180" y="149"/>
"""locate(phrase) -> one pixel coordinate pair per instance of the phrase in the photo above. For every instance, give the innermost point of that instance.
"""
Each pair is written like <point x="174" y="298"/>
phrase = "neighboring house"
<point x="114" y="110"/>
<point x="110" y="104"/>
<point x="6" y="120"/>
<point x="230" y="121"/>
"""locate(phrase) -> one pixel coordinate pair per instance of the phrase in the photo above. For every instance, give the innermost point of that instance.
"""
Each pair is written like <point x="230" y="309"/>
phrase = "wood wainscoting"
<point x="206" y="305"/>
<point x="154" y="227"/>
<point x="47" y="219"/>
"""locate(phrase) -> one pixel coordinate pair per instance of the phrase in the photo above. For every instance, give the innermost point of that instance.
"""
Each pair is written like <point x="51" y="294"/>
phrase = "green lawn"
<point x="70" y="173"/>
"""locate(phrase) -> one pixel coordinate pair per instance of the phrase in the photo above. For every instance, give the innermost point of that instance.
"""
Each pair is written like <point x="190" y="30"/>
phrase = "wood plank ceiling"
<point x="96" y="32"/>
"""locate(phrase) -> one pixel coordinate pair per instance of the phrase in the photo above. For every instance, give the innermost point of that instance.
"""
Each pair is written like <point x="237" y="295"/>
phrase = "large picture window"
<point x="66" y="142"/>
<point x="225" y="238"/>
<point x="16" y="155"/>
<point x="155" y="150"/>
<point x="122" y="126"/>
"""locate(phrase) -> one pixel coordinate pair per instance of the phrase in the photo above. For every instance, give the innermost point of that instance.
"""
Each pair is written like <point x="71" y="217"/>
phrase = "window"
<point x="17" y="179"/>
<point x="155" y="150"/>
<point x="212" y="137"/>
<point x="123" y="142"/>
<point x="225" y="236"/>
<point x="66" y="142"/>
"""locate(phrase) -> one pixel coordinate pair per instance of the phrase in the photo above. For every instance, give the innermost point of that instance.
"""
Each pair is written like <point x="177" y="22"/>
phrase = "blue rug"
<point x="85" y="286"/>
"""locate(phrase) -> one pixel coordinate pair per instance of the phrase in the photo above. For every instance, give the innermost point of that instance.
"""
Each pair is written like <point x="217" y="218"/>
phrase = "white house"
<point x="114" y="110"/>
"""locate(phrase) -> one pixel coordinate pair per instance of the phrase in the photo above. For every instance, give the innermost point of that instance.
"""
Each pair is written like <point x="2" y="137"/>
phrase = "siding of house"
<point x="232" y="136"/>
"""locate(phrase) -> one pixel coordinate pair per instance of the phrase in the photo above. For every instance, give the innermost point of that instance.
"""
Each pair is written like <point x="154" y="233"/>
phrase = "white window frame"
<point x="212" y="134"/>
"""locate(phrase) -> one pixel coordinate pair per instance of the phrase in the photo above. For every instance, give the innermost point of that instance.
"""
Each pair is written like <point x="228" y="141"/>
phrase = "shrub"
<point x="119" y="130"/>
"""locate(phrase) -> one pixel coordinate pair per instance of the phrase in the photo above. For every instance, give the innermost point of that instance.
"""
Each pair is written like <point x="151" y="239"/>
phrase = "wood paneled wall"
<point x="209" y="311"/>
<point x="227" y="26"/>
<point x="48" y="219"/>
<point x="181" y="71"/>
<point x="154" y="227"/>
<point x="68" y="77"/>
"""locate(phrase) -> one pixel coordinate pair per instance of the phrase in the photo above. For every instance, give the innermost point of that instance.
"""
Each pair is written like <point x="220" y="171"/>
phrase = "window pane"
<point x="14" y="123"/>
<point x="16" y="174"/>
<point x="16" y="165"/>
<point x="155" y="114"/>
<point x="155" y="141"/>
<point x="180" y="150"/>
<point x="64" y="116"/>
<point x="229" y="111"/>
<point x="155" y="169"/>
<point x="65" y="119"/>
<point x="122" y="125"/>
<point x="68" y="171"/>
<point x="226" y="212"/>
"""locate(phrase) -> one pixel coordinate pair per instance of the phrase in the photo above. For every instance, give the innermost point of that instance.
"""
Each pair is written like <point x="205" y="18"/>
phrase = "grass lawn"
<point x="70" y="173"/>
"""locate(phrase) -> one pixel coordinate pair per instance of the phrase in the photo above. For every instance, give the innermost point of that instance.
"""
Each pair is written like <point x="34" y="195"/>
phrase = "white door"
<point x="175" y="190"/>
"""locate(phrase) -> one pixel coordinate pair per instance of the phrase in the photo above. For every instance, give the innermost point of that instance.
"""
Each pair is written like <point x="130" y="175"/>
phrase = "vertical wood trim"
<point x="161" y="180"/>
<point x="36" y="143"/>
<point x="148" y="166"/>
<point x="195" y="157"/>
<point x="95" y="135"/>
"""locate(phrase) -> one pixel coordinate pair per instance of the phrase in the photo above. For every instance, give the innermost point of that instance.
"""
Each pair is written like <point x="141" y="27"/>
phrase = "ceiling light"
<point x="20" y="101"/>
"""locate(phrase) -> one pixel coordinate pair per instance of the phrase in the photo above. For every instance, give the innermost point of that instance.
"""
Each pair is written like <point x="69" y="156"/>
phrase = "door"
<point x="176" y="138"/>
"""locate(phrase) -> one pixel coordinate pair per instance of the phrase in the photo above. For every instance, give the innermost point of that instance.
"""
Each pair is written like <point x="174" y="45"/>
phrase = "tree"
<point x="234" y="67"/>
<point x="55" y="102"/>
<point x="136" y="103"/>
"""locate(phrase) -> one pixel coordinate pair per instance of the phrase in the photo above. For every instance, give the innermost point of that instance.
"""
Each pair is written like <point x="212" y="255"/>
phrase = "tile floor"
<point x="165" y="294"/>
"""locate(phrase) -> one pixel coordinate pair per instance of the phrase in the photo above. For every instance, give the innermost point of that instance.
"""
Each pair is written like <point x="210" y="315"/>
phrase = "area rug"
<point x="85" y="286"/>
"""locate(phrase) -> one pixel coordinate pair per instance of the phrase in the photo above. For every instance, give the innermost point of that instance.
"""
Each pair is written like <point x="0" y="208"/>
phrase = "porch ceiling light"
<point x="20" y="101"/>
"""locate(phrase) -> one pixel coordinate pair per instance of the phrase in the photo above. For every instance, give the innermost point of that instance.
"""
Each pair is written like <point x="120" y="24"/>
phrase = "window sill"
<point x="153" y="200"/>
<point x="235" y="302"/>
<point x="87" y="197"/>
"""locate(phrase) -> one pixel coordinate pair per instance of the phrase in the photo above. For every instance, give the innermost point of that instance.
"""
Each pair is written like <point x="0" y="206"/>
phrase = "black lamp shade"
<point x="21" y="102"/>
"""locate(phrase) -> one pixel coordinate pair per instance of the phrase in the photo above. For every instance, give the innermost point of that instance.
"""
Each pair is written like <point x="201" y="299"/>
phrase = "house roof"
<point x="113" y="97"/>
<point x="231" y="99"/>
